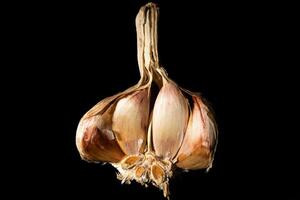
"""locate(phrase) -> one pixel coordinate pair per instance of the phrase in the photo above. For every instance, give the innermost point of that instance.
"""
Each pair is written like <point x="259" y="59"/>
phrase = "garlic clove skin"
<point x="169" y="120"/>
<point x="199" y="142"/>
<point x="96" y="142"/>
<point x="130" y="122"/>
<point x="95" y="139"/>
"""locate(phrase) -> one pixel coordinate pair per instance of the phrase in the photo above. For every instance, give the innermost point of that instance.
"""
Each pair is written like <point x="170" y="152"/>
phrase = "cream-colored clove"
<point x="130" y="122"/>
<point x="170" y="116"/>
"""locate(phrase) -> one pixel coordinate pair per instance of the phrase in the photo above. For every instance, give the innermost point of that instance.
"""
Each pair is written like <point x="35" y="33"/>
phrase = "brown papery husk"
<point x="95" y="137"/>
<point x="200" y="140"/>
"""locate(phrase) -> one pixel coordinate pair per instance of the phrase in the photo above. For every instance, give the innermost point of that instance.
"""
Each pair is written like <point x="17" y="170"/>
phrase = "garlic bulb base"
<point x="145" y="169"/>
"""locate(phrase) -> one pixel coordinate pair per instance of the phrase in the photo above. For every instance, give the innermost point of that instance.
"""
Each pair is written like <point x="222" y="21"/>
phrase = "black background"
<point x="72" y="55"/>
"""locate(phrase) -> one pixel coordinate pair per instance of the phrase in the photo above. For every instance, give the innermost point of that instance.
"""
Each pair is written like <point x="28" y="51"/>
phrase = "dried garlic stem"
<point x="146" y="27"/>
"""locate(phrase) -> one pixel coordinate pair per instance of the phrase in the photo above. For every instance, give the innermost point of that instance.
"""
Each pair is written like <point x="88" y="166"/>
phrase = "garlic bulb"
<point x="145" y="143"/>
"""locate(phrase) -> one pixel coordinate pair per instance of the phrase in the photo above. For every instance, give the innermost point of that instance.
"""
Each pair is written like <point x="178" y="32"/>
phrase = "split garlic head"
<point x="146" y="142"/>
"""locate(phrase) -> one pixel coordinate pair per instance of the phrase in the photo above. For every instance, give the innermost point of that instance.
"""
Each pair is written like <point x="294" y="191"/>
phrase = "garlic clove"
<point x="199" y="142"/>
<point x="169" y="120"/>
<point x="157" y="174"/>
<point x="140" y="172"/>
<point x="131" y="161"/>
<point x="130" y="122"/>
<point x="96" y="142"/>
<point x="95" y="139"/>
